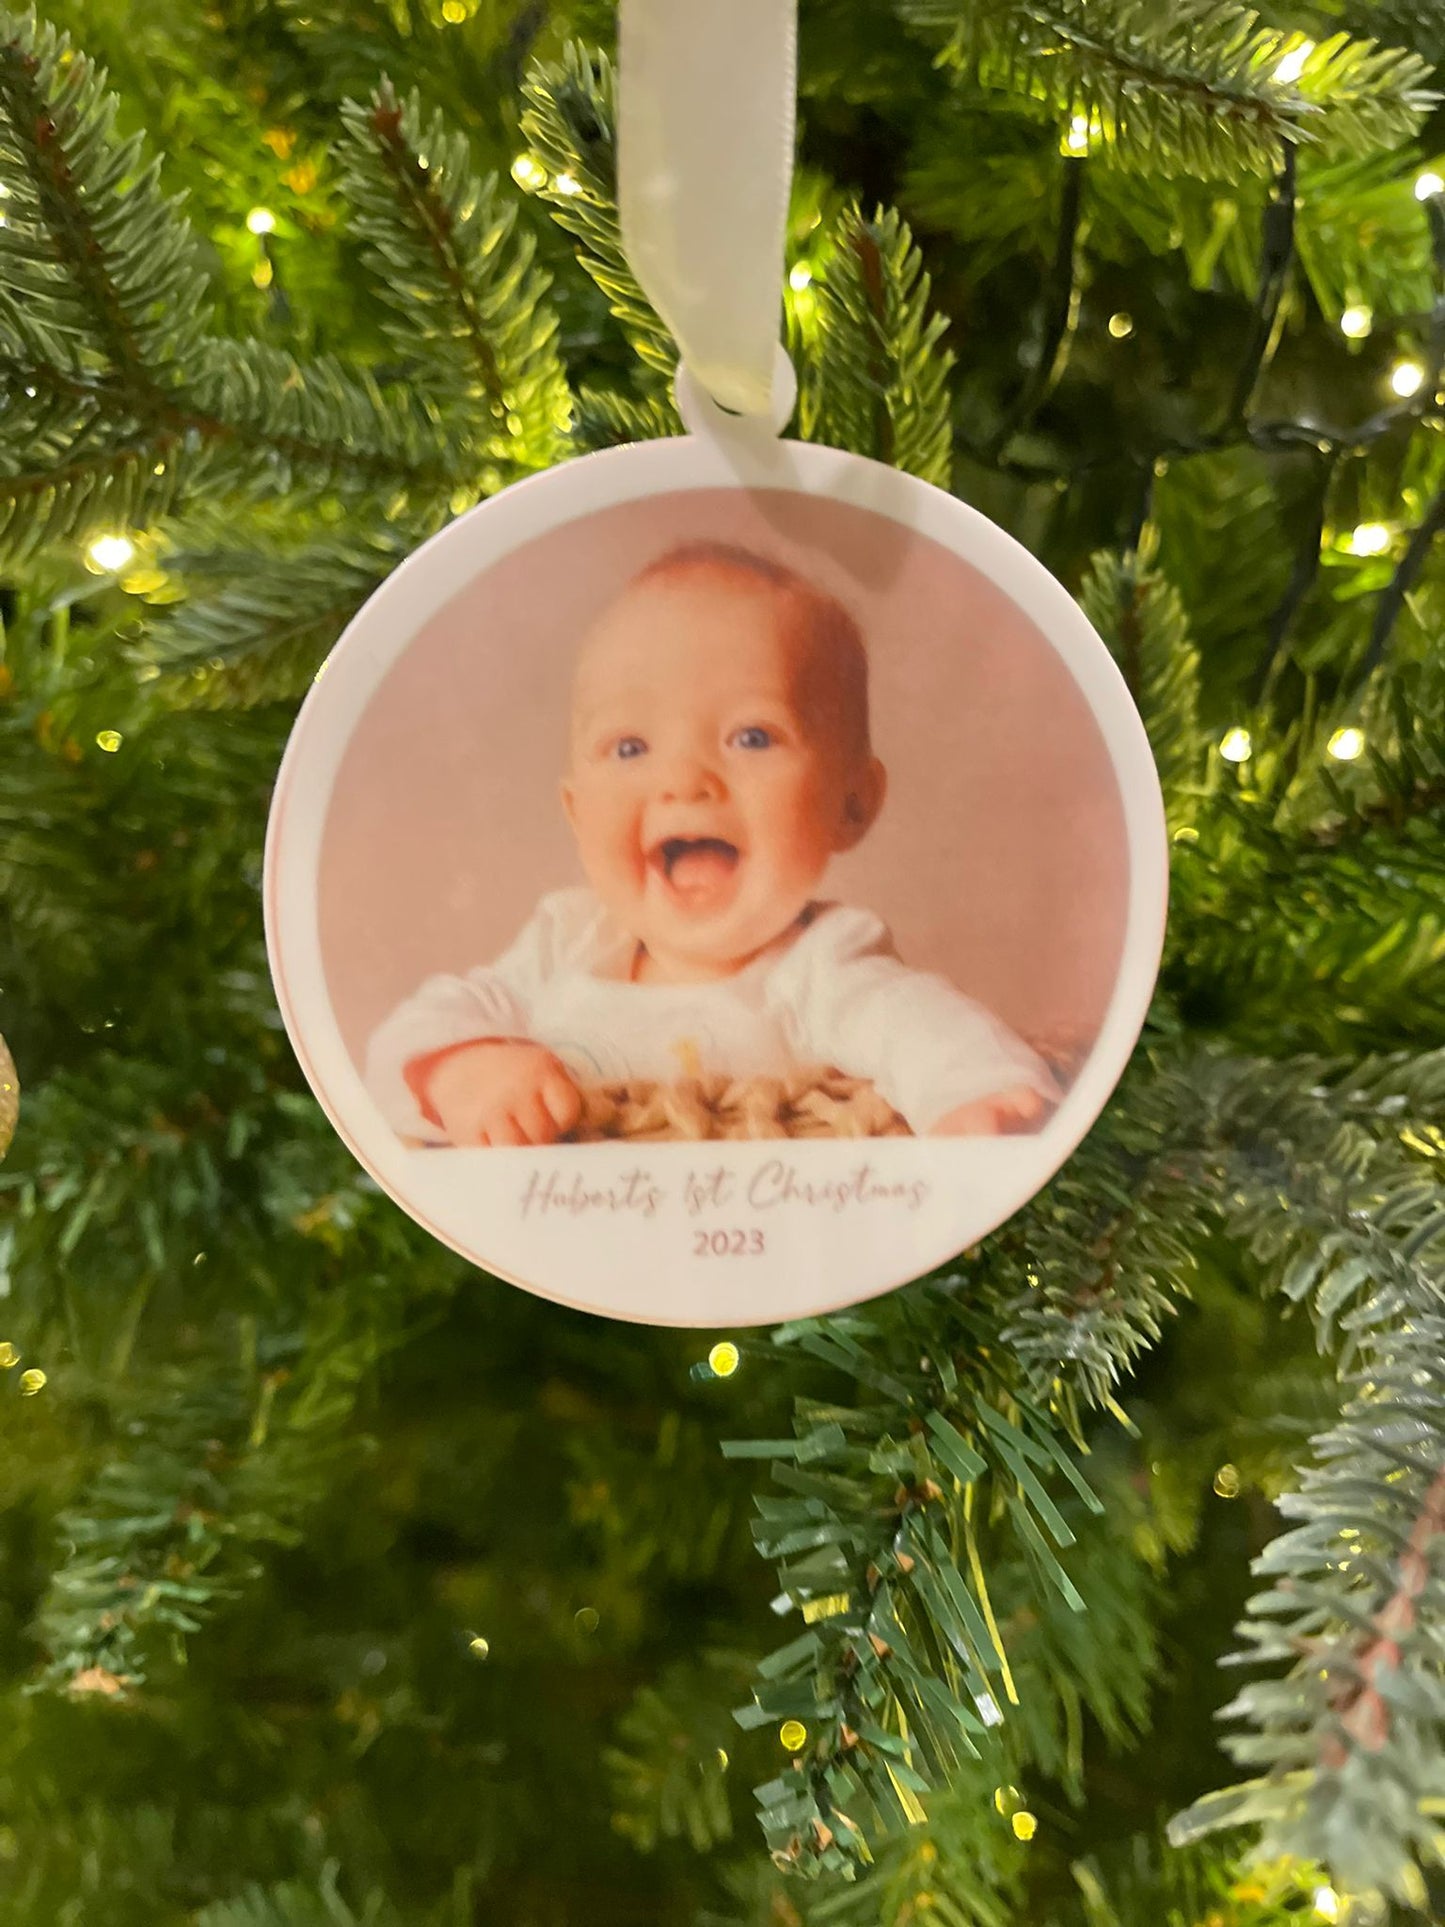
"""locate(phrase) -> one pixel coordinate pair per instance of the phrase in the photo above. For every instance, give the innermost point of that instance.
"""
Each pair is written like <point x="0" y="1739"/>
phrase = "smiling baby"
<point x="719" y="756"/>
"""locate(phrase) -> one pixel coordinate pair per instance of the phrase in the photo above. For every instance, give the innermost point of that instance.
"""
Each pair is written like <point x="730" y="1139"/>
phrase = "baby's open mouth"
<point x="700" y="870"/>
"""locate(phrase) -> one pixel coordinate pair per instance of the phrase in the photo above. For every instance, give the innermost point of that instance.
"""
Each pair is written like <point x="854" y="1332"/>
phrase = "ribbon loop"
<point x="705" y="165"/>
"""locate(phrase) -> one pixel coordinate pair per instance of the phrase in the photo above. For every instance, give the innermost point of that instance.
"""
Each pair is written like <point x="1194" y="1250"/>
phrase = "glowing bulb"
<point x="724" y="1359"/>
<point x="1326" y="1903"/>
<point x="478" y="1646"/>
<point x="1427" y="184"/>
<point x="454" y="12"/>
<point x="1293" y="65"/>
<point x="32" y="1382"/>
<point x="1121" y="325"/>
<point x="793" y="1735"/>
<point x="1346" y="744"/>
<point x="1406" y="378"/>
<point x="1357" y="321"/>
<point x="567" y="184"/>
<point x="1237" y="745"/>
<point x="110" y="552"/>
<point x="109" y="740"/>
<point x="1227" y="1482"/>
<point x="1369" y="538"/>
<point x="799" y="277"/>
<point x="1077" y="140"/>
<point x="528" y="172"/>
<point x="261" y="221"/>
<point x="587" y="1619"/>
<point x="9" y="1356"/>
<point x="1025" y="1826"/>
<point x="722" y="1759"/>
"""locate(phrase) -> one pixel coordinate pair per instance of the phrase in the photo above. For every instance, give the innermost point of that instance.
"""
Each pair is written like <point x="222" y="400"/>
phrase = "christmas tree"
<point x="343" y="1585"/>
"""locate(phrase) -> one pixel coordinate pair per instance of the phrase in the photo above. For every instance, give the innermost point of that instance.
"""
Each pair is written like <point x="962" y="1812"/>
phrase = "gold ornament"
<point x="9" y="1097"/>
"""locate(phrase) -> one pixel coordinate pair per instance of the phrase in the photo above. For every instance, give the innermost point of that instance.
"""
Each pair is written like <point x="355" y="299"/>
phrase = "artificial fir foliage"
<point x="343" y="1586"/>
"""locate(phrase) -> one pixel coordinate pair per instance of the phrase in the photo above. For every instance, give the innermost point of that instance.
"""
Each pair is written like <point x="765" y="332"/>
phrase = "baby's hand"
<point x="503" y="1092"/>
<point x="1001" y="1115"/>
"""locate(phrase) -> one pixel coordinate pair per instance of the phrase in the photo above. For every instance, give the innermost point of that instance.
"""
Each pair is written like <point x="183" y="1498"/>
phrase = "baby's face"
<point x="714" y="766"/>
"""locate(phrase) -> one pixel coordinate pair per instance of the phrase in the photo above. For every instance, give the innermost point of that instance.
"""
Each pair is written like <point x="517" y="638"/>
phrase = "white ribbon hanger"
<point x="706" y="93"/>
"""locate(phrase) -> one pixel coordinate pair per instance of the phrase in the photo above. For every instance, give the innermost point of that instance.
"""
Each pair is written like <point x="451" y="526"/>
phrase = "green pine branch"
<point x="120" y="400"/>
<point x="469" y="308"/>
<point x="1347" y="1731"/>
<point x="1141" y="618"/>
<point x="569" y="122"/>
<point x="875" y="376"/>
<point x="1194" y="89"/>
<point x="257" y="626"/>
<point x="898" y="1507"/>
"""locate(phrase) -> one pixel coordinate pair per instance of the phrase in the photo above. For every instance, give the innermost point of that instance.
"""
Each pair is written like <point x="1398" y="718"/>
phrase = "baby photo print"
<point x="711" y="886"/>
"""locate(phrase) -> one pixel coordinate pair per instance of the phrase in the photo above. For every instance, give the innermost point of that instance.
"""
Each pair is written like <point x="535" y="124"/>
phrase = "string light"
<point x="1406" y="378"/>
<point x="799" y="277"/>
<point x="32" y="1382"/>
<point x="9" y="1356"/>
<point x="109" y="740"/>
<point x="724" y="1359"/>
<point x="478" y="1646"/>
<point x="1237" y="745"/>
<point x="567" y="184"/>
<point x="1025" y="1825"/>
<point x="1288" y="71"/>
<point x="1121" y="325"/>
<point x="793" y="1734"/>
<point x="528" y="172"/>
<point x="1427" y="184"/>
<point x="1357" y="321"/>
<point x="586" y="1620"/>
<point x="722" y="1760"/>
<point x="1346" y="744"/>
<point x="1326" y="1903"/>
<point x="1007" y="1800"/>
<point x="454" y="12"/>
<point x="1077" y="139"/>
<point x="107" y="553"/>
<point x="1227" y="1482"/>
<point x="1369" y="538"/>
<point x="261" y="221"/>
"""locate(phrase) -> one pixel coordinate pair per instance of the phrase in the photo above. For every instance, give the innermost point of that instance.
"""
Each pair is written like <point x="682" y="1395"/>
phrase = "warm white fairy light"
<point x="1121" y="325"/>
<point x="1427" y="184"/>
<point x="1346" y="744"/>
<point x="1357" y="321"/>
<point x="261" y="221"/>
<point x="528" y="172"/>
<point x="1326" y="1903"/>
<point x="1407" y="378"/>
<point x="1236" y="745"/>
<point x="566" y="184"/>
<point x="724" y="1359"/>
<point x="1289" y="69"/>
<point x="1077" y="138"/>
<point x="800" y="277"/>
<point x="110" y="552"/>
<point x="1369" y="538"/>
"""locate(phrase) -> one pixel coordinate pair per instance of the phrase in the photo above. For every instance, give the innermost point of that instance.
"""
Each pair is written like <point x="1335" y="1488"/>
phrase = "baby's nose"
<point x="690" y="779"/>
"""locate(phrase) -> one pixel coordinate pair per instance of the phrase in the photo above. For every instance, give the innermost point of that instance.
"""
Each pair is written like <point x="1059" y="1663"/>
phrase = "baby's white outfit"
<point x="832" y="991"/>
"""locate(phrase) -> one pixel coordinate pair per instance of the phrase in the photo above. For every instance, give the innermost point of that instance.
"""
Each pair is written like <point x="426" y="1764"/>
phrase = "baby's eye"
<point x="752" y="736"/>
<point x="628" y="746"/>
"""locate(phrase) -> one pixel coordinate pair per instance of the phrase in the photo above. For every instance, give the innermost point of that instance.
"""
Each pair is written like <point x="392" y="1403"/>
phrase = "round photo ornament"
<point x="719" y="879"/>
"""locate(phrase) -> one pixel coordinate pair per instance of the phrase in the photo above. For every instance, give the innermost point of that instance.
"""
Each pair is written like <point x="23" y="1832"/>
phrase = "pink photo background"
<point x="999" y="859"/>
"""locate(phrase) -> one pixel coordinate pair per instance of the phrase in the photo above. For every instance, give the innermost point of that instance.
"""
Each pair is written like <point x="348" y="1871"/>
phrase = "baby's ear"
<point x="862" y="804"/>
